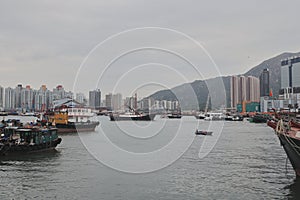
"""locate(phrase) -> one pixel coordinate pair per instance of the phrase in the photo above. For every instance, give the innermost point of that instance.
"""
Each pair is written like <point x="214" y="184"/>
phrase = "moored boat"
<point x="200" y="116"/>
<point x="202" y="132"/>
<point x="63" y="123"/>
<point x="259" y="118"/>
<point x="20" y="140"/>
<point x="174" y="116"/>
<point x="210" y="116"/>
<point x="132" y="116"/>
<point x="290" y="140"/>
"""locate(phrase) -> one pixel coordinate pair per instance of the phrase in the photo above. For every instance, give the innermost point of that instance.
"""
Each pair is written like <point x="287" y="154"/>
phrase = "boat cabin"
<point x="28" y="135"/>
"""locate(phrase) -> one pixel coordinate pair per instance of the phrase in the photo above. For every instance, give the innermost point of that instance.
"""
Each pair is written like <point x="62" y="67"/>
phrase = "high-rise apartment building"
<point x="18" y="91"/>
<point x="95" y="98"/>
<point x="244" y="89"/>
<point x="27" y="98"/>
<point x="1" y="97"/>
<point x="234" y="90"/>
<point x="290" y="73"/>
<point x="10" y="99"/>
<point x="264" y="80"/>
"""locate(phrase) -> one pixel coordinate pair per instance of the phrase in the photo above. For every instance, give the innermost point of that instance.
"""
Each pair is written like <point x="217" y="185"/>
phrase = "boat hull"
<point x="174" y="117"/>
<point x="77" y="127"/>
<point x="292" y="152"/>
<point x="148" y="117"/>
<point x="200" y="117"/>
<point x="18" y="149"/>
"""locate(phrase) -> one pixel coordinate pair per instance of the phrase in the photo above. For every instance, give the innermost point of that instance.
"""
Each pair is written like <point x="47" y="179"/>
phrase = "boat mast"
<point x="207" y="102"/>
<point x="135" y="101"/>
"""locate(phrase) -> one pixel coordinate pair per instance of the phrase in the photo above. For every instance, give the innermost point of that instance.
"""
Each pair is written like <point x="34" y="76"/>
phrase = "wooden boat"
<point x="295" y="124"/>
<point x="290" y="140"/>
<point x="202" y="132"/>
<point x="20" y="140"/>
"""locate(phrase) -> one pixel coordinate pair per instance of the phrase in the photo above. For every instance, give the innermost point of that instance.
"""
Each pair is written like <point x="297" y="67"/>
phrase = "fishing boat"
<point x="21" y="140"/>
<point x="289" y="137"/>
<point x="202" y="132"/>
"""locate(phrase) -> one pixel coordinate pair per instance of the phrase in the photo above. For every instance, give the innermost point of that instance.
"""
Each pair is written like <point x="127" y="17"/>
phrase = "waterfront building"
<point x="234" y="89"/>
<point x="244" y="89"/>
<point x="95" y="98"/>
<point x="264" y="80"/>
<point x="289" y="94"/>
<point x="290" y="77"/>
<point x="253" y="89"/>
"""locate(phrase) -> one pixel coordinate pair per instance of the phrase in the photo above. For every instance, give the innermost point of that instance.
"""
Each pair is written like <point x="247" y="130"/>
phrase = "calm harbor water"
<point x="246" y="163"/>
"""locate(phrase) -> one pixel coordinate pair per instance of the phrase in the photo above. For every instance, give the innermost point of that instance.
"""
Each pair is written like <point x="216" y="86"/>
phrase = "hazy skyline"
<point x="44" y="42"/>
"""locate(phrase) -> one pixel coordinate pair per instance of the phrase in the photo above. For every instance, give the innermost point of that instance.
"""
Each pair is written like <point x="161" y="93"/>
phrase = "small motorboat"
<point x="202" y="132"/>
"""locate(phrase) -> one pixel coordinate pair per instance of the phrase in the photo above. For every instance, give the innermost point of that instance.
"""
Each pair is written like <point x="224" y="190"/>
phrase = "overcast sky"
<point x="45" y="42"/>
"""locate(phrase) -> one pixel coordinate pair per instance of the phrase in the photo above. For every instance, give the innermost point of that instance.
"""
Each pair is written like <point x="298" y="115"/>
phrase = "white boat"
<point x="214" y="116"/>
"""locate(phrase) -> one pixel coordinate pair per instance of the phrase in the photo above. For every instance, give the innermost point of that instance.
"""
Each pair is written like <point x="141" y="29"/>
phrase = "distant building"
<point x="244" y="89"/>
<point x="43" y="99"/>
<point x="108" y="101"/>
<point x="95" y="98"/>
<point x="1" y="97"/>
<point x="290" y="76"/>
<point x="18" y="91"/>
<point x="117" y="101"/>
<point x="10" y="98"/>
<point x="234" y="90"/>
<point x="58" y="92"/>
<point x="80" y="97"/>
<point x="253" y="89"/>
<point x="27" y="99"/>
<point x="264" y="79"/>
<point x="289" y="94"/>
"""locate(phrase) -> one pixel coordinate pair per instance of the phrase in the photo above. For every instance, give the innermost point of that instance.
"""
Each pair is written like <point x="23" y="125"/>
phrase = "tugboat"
<point x="20" y="140"/>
